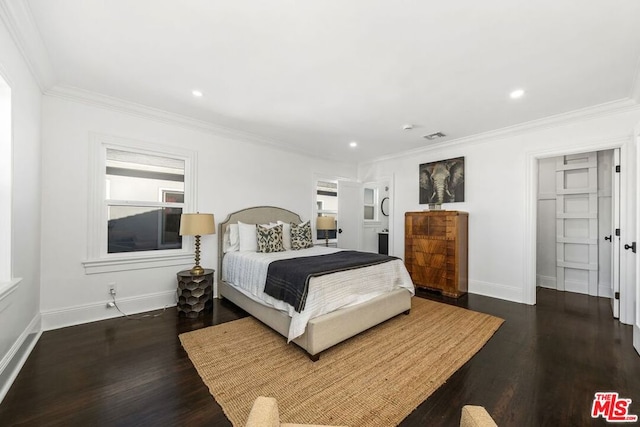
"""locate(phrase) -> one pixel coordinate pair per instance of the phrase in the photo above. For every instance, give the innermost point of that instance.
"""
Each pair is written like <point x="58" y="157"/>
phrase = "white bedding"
<point x="247" y="271"/>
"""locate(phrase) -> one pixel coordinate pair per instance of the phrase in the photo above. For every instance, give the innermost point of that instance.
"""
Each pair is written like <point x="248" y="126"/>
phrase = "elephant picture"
<point x="442" y="181"/>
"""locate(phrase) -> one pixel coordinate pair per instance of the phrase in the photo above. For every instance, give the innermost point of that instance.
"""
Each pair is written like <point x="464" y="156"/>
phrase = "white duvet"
<point x="247" y="271"/>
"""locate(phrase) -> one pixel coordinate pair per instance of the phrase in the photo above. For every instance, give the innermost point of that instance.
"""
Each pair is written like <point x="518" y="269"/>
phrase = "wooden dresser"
<point x="436" y="250"/>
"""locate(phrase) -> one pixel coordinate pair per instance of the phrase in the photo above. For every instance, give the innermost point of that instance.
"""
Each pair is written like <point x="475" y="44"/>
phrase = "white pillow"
<point x="286" y="235"/>
<point x="234" y="235"/>
<point x="231" y="241"/>
<point x="248" y="237"/>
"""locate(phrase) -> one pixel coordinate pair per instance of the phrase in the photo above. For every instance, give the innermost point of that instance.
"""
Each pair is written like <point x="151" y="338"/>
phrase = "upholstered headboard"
<point x="255" y="215"/>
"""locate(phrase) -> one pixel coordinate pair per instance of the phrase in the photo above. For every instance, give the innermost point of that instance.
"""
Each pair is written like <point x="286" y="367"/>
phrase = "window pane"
<point x="368" y="196"/>
<point x="368" y="212"/>
<point x="138" y="228"/>
<point x="142" y="177"/>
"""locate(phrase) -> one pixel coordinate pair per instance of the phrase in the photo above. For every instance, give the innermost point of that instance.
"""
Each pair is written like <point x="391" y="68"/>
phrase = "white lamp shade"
<point x="197" y="224"/>
<point x="326" y="223"/>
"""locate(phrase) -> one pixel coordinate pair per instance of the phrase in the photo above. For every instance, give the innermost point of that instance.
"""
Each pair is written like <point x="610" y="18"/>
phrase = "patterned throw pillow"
<point x="270" y="239"/>
<point x="301" y="237"/>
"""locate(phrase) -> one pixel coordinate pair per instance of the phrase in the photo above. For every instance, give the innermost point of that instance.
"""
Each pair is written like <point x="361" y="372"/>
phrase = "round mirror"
<point x="384" y="206"/>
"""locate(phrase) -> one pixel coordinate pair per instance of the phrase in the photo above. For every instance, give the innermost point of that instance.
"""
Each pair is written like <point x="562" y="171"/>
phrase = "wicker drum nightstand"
<point x="194" y="293"/>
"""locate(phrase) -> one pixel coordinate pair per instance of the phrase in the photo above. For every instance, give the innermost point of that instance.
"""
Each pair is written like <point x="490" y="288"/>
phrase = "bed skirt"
<point x="329" y="329"/>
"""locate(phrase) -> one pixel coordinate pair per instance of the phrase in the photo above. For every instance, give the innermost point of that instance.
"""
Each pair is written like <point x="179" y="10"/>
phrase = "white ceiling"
<point x="315" y="75"/>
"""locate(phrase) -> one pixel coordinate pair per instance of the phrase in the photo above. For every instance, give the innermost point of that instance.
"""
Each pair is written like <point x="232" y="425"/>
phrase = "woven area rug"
<point x="376" y="378"/>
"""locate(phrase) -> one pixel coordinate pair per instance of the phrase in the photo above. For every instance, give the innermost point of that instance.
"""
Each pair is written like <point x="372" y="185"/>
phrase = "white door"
<point x="636" y="325"/>
<point x="350" y="214"/>
<point x="615" y="235"/>
<point x="577" y="223"/>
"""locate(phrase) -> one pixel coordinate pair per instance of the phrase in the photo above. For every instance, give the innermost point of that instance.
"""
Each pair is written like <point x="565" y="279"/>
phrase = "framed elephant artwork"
<point x="442" y="181"/>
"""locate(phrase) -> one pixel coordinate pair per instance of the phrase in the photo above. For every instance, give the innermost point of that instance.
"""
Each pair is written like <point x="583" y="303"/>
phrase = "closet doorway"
<point x="577" y="218"/>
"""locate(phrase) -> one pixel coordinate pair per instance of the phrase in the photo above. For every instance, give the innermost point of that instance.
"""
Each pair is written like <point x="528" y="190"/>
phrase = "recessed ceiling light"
<point x="353" y="144"/>
<point x="197" y="93"/>
<point x="518" y="93"/>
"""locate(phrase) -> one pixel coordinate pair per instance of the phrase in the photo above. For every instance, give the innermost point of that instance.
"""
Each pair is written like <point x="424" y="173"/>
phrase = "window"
<point x="139" y="194"/>
<point x="370" y="203"/>
<point x="141" y="214"/>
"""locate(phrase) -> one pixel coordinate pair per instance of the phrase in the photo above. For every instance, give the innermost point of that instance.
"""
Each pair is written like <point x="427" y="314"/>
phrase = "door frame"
<point x="626" y="195"/>
<point x="314" y="207"/>
<point x="316" y="176"/>
<point x="636" y="324"/>
<point x="389" y="181"/>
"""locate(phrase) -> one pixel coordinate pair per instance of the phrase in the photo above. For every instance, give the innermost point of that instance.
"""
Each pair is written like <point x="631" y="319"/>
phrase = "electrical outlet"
<point x="112" y="288"/>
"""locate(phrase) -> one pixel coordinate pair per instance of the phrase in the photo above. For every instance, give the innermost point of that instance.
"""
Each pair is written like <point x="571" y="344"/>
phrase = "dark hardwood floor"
<point x="541" y="368"/>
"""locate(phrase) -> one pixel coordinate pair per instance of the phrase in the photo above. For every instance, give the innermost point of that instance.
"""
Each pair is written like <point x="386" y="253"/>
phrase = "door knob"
<point x="607" y="237"/>
<point x="632" y="246"/>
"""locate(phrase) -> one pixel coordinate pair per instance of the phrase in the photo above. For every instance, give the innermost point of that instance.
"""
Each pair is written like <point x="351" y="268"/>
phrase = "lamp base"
<point x="197" y="271"/>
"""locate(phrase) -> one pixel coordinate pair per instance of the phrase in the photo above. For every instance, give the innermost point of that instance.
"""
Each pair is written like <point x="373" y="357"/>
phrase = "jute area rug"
<point x="376" y="378"/>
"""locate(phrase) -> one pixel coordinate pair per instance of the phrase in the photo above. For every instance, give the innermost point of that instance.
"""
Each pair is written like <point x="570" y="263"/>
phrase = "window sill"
<point x="7" y="288"/>
<point x="109" y="265"/>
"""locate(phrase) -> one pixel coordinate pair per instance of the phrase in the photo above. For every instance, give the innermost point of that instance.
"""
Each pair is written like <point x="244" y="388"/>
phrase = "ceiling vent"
<point x="433" y="136"/>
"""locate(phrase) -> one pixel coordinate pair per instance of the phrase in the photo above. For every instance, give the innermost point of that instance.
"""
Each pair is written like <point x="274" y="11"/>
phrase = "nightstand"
<point x="194" y="293"/>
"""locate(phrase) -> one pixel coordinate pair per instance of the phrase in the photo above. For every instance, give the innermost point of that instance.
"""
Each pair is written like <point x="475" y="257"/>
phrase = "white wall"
<point x="496" y="193"/>
<point x="19" y="309"/>
<point x="231" y="175"/>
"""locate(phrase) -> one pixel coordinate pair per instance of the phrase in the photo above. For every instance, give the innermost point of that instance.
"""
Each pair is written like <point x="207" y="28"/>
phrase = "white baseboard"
<point x="576" y="287"/>
<point x="494" y="290"/>
<point x="605" y="291"/>
<point x="546" y="281"/>
<point x="76" y="315"/>
<point x="12" y="362"/>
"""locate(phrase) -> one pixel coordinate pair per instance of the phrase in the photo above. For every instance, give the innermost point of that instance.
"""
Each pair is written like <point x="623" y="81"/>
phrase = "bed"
<point x="324" y="321"/>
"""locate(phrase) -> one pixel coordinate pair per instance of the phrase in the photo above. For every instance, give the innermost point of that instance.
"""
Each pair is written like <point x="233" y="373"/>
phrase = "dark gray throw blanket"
<point x="288" y="279"/>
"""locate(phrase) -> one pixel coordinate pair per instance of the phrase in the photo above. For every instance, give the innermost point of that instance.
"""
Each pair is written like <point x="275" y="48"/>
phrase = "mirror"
<point x="384" y="206"/>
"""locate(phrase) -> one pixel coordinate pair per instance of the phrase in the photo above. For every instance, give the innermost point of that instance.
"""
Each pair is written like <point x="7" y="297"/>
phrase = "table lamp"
<point x="197" y="224"/>
<point x="326" y="223"/>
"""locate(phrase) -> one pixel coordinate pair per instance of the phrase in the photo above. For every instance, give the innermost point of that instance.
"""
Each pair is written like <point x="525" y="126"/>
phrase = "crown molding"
<point x="596" y="111"/>
<point x="119" y="105"/>
<point x="18" y="19"/>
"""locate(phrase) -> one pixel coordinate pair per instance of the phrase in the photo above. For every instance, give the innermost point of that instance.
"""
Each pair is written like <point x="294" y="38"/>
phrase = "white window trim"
<point x="98" y="260"/>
